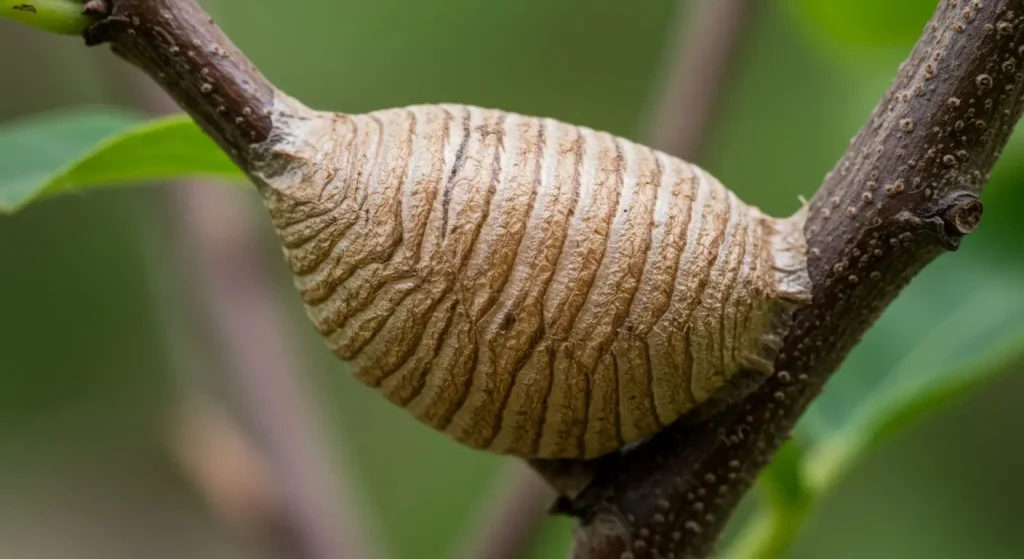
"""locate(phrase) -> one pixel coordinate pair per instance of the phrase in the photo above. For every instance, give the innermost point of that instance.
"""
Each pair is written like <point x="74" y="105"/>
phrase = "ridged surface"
<point x="527" y="286"/>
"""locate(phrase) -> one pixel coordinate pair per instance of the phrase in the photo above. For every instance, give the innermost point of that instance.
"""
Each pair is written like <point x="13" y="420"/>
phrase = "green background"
<point x="86" y="374"/>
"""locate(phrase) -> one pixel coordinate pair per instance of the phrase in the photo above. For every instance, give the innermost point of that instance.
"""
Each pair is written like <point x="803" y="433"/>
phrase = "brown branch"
<point x="177" y="44"/>
<point x="696" y="69"/>
<point x="905" y="191"/>
<point x="704" y="40"/>
<point x="223" y="463"/>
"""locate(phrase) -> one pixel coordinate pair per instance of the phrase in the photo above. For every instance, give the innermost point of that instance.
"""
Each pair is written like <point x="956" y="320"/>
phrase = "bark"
<point x="905" y="191"/>
<point x="178" y="45"/>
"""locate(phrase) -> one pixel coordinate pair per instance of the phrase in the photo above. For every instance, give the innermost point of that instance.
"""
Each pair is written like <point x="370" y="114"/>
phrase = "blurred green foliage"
<point x="35" y="149"/>
<point x="82" y="348"/>
<point x="864" y="27"/>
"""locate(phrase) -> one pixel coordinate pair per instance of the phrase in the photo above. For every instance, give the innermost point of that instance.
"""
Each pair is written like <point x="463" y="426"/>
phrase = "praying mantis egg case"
<point x="524" y="285"/>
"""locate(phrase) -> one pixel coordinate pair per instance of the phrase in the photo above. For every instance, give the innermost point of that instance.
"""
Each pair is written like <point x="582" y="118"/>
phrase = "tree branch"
<point x="177" y="44"/>
<point x="905" y="191"/>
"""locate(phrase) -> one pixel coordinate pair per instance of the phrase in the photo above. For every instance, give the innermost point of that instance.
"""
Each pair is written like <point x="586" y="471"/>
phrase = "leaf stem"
<point x="64" y="17"/>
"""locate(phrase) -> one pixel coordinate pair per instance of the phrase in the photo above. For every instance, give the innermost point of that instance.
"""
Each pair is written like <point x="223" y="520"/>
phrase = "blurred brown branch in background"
<point x="282" y="483"/>
<point x="694" y="72"/>
<point x="702" y="44"/>
<point x="511" y="515"/>
<point x="223" y="463"/>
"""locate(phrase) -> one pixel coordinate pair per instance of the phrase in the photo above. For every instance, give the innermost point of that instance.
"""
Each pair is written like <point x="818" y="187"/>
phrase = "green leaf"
<point x="56" y="16"/>
<point x="76" y="150"/>
<point x="959" y="325"/>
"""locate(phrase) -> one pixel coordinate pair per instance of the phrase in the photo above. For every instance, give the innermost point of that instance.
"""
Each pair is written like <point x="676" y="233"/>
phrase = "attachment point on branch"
<point x="963" y="214"/>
